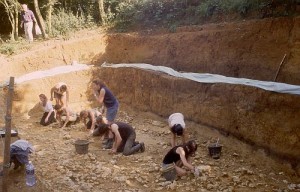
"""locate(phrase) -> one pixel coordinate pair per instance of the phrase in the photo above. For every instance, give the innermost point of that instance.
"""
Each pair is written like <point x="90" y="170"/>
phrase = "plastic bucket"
<point x="215" y="150"/>
<point x="82" y="146"/>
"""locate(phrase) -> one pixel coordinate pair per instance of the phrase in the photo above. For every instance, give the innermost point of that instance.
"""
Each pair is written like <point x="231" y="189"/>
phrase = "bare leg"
<point x="180" y="171"/>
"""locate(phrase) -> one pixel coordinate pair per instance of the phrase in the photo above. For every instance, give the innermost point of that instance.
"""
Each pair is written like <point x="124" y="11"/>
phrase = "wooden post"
<point x="6" y="161"/>
<point x="279" y="67"/>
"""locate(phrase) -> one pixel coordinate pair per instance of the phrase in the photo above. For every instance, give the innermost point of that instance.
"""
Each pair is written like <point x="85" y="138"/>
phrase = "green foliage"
<point x="64" y="22"/>
<point x="14" y="47"/>
<point x="184" y="12"/>
<point x="7" y="49"/>
<point x="72" y="15"/>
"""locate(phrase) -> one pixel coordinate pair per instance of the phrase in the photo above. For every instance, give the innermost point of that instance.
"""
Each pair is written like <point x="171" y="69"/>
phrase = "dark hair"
<point x="190" y="148"/>
<point x="177" y="129"/>
<point x="98" y="82"/>
<point x="102" y="127"/>
<point x="63" y="88"/>
<point x="57" y="107"/>
<point x="83" y="113"/>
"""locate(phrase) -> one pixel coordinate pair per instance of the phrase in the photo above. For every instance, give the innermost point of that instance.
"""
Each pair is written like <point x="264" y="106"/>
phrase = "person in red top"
<point x="27" y="19"/>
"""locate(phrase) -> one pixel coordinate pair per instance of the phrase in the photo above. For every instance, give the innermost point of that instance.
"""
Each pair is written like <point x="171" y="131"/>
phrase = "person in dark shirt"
<point x="104" y="96"/>
<point x="27" y="19"/>
<point x="124" y="137"/>
<point x="179" y="156"/>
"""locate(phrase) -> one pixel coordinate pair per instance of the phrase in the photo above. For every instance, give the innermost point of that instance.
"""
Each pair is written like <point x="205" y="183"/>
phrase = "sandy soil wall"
<point x="54" y="53"/>
<point x="252" y="49"/>
<point x="262" y="118"/>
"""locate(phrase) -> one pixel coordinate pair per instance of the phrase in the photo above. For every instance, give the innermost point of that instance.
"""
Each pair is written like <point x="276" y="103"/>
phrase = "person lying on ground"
<point x="19" y="152"/>
<point x="61" y="94"/>
<point x="89" y="118"/>
<point x="49" y="114"/>
<point x="177" y="128"/>
<point x="124" y="137"/>
<point x="65" y="116"/>
<point x="179" y="157"/>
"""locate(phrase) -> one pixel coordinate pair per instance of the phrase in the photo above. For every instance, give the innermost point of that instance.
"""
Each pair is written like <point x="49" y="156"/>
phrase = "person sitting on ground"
<point x="177" y="127"/>
<point x="49" y="114"/>
<point x="19" y="152"/>
<point x="180" y="156"/>
<point x="124" y="137"/>
<point x="65" y="116"/>
<point x="61" y="94"/>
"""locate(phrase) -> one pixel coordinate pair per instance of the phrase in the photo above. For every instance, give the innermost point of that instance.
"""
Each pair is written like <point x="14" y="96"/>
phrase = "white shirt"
<point x="48" y="107"/>
<point x="176" y="118"/>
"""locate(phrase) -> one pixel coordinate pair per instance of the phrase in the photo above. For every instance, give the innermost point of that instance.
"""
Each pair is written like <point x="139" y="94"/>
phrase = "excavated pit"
<point x="250" y="49"/>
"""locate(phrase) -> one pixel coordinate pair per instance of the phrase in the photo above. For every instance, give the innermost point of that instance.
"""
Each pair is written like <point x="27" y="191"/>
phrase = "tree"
<point x="102" y="12"/>
<point x="40" y="18"/>
<point x="50" y="5"/>
<point x="12" y="9"/>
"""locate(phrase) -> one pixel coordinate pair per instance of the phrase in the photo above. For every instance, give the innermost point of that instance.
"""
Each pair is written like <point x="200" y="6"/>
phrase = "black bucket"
<point x="215" y="150"/>
<point x="82" y="146"/>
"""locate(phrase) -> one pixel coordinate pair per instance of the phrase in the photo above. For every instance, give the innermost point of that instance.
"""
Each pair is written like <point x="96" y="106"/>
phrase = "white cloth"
<point x="49" y="73"/>
<point x="48" y="107"/>
<point x="176" y="118"/>
<point x="213" y="78"/>
<point x="22" y="144"/>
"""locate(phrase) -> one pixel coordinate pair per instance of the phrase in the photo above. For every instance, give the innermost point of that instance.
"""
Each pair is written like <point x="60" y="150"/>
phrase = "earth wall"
<point x="262" y="118"/>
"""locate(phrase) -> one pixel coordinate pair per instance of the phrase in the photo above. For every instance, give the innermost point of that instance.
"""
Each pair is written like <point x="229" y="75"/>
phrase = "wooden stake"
<point x="280" y="67"/>
<point x="6" y="161"/>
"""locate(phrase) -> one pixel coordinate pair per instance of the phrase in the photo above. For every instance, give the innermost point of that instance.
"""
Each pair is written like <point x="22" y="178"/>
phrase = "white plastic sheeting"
<point x="50" y="72"/>
<point x="212" y="78"/>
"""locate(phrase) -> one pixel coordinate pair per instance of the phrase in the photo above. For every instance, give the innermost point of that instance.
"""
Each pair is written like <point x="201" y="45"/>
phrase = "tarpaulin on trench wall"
<point x="213" y="78"/>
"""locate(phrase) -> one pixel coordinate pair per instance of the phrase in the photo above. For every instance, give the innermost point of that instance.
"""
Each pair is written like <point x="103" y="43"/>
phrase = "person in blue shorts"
<point x="105" y="97"/>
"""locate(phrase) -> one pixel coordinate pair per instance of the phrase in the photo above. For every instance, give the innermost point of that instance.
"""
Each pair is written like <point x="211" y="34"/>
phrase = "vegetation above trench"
<point x="63" y="17"/>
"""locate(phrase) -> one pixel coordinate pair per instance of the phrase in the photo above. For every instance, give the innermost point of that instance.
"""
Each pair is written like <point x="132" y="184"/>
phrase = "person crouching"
<point x="65" y="116"/>
<point x="178" y="157"/>
<point x="124" y="137"/>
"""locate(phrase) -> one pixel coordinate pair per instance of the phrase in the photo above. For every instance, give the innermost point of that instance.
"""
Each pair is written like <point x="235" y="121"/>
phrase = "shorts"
<point x="169" y="171"/>
<point x="111" y="112"/>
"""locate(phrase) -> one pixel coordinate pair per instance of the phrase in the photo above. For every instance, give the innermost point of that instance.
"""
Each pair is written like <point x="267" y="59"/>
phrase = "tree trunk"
<point x="16" y="21"/>
<point x="49" y="15"/>
<point x="11" y="18"/>
<point x="40" y="18"/>
<point x="102" y="12"/>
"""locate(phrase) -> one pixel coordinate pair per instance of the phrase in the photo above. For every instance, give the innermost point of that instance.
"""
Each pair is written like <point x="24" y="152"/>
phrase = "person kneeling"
<point x="124" y="137"/>
<point x="178" y="157"/>
<point x="19" y="152"/>
<point x="65" y="116"/>
<point x="89" y="118"/>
